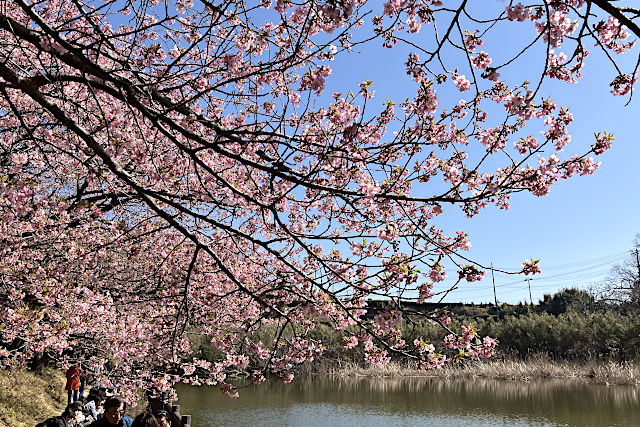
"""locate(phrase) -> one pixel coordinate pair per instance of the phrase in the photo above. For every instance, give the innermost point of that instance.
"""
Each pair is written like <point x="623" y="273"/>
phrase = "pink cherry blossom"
<point x="462" y="83"/>
<point x="178" y="169"/>
<point x="531" y="267"/>
<point x="481" y="61"/>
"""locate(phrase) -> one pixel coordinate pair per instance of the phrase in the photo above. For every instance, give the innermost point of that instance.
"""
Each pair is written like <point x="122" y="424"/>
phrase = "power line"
<point x="553" y="282"/>
<point x="604" y="260"/>
<point x="582" y="273"/>
<point x="612" y="257"/>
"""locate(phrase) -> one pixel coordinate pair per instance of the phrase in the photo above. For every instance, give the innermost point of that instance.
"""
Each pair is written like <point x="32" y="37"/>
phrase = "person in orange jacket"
<point x="73" y="383"/>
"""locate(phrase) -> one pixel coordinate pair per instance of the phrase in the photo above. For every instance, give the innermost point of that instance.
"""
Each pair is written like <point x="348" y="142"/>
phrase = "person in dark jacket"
<point x="53" y="422"/>
<point x="83" y="380"/>
<point x="99" y="394"/>
<point x="162" y="417"/>
<point x="114" y="409"/>
<point x="146" y="419"/>
<point x="69" y="417"/>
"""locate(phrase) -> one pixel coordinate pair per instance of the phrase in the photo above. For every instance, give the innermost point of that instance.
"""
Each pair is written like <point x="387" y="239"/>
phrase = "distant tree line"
<point x="599" y="323"/>
<point x="572" y="324"/>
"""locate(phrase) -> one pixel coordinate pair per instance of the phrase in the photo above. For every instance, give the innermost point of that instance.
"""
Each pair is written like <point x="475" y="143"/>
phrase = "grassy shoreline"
<point x="538" y="368"/>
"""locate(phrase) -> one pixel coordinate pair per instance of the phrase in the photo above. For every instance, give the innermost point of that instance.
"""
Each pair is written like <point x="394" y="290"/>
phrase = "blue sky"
<point x="578" y="231"/>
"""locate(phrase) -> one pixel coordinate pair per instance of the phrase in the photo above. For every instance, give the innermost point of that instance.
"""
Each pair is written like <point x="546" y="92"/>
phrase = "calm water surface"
<point x="414" y="402"/>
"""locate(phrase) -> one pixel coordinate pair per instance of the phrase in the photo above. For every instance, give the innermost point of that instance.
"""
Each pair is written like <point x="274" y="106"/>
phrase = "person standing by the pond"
<point x="73" y="383"/>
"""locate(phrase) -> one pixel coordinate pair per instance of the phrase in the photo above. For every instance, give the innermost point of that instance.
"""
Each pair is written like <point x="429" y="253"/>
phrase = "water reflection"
<point x="415" y="401"/>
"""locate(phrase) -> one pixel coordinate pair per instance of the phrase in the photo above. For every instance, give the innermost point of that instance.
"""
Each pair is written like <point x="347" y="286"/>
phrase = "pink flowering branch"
<point x="179" y="168"/>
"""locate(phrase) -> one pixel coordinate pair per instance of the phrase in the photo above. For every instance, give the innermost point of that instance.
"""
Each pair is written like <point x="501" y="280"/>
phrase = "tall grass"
<point x="535" y="368"/>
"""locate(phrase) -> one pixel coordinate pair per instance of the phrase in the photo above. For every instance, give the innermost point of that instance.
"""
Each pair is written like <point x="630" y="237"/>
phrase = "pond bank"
<point x="27" y="397"/>
<point x="600" y="372"/>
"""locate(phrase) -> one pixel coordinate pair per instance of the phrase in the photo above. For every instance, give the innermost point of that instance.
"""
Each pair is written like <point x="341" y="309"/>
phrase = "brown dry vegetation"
<point x="536" y="368"/>
<point x="27" y="398"/>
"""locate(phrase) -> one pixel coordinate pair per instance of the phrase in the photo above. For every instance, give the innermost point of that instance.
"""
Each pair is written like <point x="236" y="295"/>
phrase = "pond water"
<point x="405" y="401"/>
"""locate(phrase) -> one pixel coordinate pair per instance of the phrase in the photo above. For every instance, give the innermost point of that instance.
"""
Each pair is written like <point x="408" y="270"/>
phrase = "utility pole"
<point x="530" y="298"/>
<point x="636" y="283"/>
<point x="493" y="279"/>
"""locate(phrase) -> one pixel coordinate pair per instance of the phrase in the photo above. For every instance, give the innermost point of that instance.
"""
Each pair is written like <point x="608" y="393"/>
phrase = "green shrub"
<point x="521" y="331"/>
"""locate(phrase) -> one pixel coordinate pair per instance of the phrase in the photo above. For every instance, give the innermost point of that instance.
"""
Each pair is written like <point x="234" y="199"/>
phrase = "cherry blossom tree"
<point x="173" y="167"/>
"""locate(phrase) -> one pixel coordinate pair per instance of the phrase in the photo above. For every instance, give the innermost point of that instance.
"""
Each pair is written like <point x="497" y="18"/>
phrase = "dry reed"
<point x="537" y="368"/>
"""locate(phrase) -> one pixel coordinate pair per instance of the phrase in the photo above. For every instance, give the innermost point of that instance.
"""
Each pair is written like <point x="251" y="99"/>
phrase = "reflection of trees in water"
<point x="555" y="402"/>
<point x="548" y="396"/>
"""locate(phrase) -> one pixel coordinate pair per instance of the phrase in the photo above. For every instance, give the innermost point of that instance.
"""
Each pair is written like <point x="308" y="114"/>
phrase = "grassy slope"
<point x="27" y="398"/>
